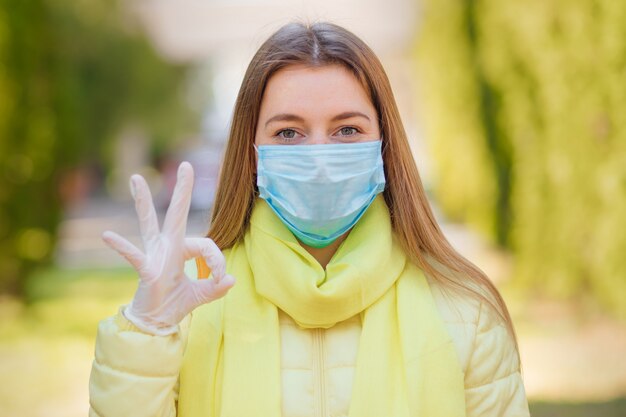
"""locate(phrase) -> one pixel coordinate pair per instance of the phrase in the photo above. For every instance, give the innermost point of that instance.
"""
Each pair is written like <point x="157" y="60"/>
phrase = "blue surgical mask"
<point x="320" y="191"/>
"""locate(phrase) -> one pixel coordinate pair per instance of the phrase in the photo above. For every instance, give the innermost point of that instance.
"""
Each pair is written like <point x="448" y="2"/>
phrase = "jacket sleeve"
<point x="135" y="373"/>
<point x="493" y="381"/>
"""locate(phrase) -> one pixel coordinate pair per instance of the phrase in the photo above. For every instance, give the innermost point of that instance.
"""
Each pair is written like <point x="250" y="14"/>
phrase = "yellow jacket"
<point x="136" y="374"/>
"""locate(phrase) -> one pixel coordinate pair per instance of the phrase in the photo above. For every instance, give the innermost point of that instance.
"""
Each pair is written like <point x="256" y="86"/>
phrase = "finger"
<point x="148" y="223"/>
<point x="206" y="248"/>
<point x="211" y="289"/>
<point x="175" y="221"/>
<point x="122" y="246"/>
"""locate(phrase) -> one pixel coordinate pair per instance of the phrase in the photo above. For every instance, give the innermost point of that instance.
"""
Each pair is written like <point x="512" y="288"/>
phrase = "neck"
<point x="325" y="254"/>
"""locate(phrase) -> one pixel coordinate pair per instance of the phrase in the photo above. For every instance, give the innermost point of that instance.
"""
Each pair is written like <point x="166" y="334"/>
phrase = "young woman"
<point x="325" y="286"/>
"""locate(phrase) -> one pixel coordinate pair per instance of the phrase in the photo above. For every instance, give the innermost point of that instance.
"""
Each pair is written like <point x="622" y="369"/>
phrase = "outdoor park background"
<point x="517" y="116"/>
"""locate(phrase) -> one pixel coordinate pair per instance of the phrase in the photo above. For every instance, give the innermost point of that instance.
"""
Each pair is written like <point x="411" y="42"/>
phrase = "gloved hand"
<point x="165" y="295"/>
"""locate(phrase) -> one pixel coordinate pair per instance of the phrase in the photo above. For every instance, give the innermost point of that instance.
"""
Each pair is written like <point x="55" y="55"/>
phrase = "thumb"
<point x="206" y="248"/>
<point x="208" y="290"/>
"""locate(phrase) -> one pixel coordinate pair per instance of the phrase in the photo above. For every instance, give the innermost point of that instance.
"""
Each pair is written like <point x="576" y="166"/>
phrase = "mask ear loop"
<point x="258" y="154"/>
<point x="256" y="170"/>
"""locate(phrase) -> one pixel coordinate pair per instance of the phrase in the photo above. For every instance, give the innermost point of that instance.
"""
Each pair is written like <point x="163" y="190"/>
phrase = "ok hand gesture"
<point x="165" y="295"/>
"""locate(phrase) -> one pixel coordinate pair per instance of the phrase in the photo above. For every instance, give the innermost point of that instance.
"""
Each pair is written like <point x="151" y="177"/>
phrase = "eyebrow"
<point x="288" y="117"/>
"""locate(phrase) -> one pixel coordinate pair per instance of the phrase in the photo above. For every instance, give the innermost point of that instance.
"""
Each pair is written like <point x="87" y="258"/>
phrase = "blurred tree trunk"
<point x="29" y="150"/>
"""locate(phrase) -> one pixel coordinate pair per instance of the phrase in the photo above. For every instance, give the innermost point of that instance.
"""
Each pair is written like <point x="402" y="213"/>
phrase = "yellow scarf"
<point x="406" y="366"/>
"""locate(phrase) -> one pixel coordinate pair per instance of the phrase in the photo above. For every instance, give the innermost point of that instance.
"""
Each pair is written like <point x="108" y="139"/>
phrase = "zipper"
<point x="318" y="369"/>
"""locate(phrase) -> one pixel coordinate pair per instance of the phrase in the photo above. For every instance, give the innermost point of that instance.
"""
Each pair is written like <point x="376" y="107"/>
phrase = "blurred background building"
<point x="515" y="112"/>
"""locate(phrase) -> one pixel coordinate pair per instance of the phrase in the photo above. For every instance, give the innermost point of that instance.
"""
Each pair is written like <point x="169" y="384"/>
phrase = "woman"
<point x="348" y="299"/>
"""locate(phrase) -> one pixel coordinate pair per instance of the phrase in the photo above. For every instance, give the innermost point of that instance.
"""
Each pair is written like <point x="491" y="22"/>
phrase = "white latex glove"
<point x="165" y="295"/>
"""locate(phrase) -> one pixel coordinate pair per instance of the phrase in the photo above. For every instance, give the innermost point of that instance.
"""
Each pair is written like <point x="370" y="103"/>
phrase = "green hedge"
<point x="525" y="111"/>
<point x="72" y="74"/>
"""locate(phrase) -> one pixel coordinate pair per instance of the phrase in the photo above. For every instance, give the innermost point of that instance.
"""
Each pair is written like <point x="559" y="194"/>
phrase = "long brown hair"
<point x="320" y="44"/>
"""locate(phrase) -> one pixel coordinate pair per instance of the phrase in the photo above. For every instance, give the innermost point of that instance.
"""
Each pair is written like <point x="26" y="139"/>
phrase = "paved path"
<point x="80" y="243"/>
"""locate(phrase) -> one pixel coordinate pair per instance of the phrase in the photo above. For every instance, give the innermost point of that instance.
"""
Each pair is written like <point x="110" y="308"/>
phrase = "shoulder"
<point x="487" y="353"/>
<point x="477" y="330"/>
<point x="460" y="314"/>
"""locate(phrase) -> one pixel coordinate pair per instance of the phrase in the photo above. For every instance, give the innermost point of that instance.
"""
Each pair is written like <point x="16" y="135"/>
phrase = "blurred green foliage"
<point x="72" y="75"/>
<point x="59" y="303"/>
<point x="525" y="109"/>
<point x="612" y="408"/>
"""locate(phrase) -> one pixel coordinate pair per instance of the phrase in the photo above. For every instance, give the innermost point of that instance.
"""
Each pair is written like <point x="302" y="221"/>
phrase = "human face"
<point x="305" y="105"/>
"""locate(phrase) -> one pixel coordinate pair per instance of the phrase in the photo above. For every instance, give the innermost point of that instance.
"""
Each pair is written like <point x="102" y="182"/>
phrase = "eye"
<point x="286" y="134"/>
<point x="348" y="131"/>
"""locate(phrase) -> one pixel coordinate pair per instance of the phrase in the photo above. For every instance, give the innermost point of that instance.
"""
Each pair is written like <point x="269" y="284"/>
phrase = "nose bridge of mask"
<point x="321" y="170"/>
<point x="319" y="162"/>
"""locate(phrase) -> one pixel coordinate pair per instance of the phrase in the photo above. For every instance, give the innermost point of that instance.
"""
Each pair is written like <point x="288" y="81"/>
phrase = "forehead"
<point x="328" y="88"/>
